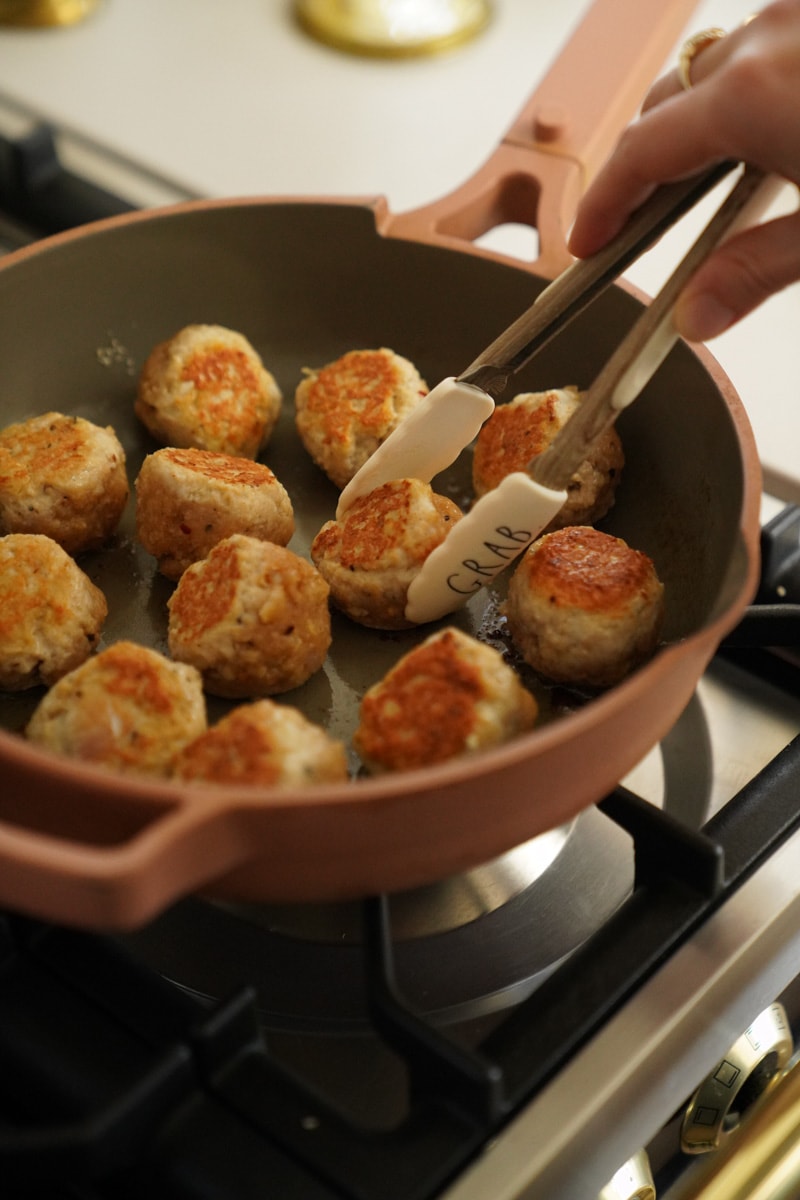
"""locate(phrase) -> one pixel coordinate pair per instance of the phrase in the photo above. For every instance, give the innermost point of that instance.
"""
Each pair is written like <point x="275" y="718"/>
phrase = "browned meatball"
<point x="207" y="387"/>
<point x="51" y="614"/>
<point x="452" y="695"/>
<point x="345" y="410"/>
<point x="520" y="430"/>
<point x="584" y="608"/>
<point x="265" y="744"/>
<point x="372" y="554"/>
<point x="252" y="617"/>
<point x="64" y="477"/>
<point x="187" y="500"/>
<point x="128" y="708"/>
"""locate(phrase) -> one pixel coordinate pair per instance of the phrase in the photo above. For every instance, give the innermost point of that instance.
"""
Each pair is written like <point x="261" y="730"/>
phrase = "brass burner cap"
<point x="45" y="12"/>
<point x="393" y="28"/>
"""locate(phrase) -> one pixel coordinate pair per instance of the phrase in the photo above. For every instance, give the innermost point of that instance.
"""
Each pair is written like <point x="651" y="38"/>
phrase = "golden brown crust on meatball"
<point x="584" y="608"/>
<point x="207" y="387"/>
<point x="520" y="430"/>
<point x="372" y="554"/>
<point x="128" y="708"/>
<point x="187" y="500"/>
<point x="451" y="695"/>
<point x="51" y="614"/>
<point x="265" y="744"/>
<point x="63" y="477"/>
<point x="345" y="410"/>
<point x="252" y="617"/>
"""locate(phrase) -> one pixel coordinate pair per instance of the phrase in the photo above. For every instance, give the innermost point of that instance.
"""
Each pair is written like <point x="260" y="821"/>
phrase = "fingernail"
<point x="702" y="316"/>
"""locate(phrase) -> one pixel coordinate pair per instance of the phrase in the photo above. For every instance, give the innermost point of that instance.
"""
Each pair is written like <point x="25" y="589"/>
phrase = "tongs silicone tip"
<point x="524" y="503"/>
<point x="503" y="523"/>
<point x="424" y="443"/>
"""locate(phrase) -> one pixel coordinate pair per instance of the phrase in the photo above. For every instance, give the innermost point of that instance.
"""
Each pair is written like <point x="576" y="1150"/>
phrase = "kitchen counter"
<point x="237" y="100"/>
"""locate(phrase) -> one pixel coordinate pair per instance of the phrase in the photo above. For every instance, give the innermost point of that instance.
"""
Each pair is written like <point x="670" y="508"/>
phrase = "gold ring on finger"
<point x="690" y="50"/>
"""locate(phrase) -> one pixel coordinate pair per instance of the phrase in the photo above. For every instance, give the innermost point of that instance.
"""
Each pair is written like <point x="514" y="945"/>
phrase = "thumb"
<point x="739" y="276"/>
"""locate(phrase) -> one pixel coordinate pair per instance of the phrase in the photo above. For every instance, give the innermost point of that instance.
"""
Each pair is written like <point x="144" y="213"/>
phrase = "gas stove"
<point x="537" y="1027"/>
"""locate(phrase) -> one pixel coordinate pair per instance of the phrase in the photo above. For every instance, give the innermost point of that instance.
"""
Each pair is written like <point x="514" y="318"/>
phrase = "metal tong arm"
<point x="581" y="282"/>
<point x="640" y="353"/>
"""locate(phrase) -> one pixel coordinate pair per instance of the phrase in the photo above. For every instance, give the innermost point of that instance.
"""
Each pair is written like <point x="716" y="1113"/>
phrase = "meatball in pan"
<point x="520" y="430"/>
<point x="372" y="554"/>
<point x="51" y="614"/>
<point x="584" y="608"/>
<point x="264" y="744"/>
<point x="252" y="617"/>
<point x="128" y="708"/>
<point x="207" y="387"/>
<point x="64" y="477"/>
<point x="345" y="410"/>
<point x="449" y="696"/>
<point x="187" y="500"/>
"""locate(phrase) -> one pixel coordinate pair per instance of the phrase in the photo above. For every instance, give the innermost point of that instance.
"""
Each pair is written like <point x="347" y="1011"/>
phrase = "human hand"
<point x="743" y="105"/>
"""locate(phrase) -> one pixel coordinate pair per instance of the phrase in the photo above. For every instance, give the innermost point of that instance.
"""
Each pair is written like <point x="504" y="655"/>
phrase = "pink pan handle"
<point x="562" y="135"/>
<point x="131" y="867"/>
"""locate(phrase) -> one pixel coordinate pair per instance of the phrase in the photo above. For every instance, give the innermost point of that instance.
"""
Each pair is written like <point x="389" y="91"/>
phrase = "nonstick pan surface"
<point x="305" y="281"/>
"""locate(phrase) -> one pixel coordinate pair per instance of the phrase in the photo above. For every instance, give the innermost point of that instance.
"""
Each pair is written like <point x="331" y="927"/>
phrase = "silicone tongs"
<point x="504" y="522"/>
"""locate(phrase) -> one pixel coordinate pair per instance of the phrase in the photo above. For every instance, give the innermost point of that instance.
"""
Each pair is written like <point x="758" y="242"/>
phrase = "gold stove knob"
<point x="633" y="1181"/>
<point x="751" y="1067"/>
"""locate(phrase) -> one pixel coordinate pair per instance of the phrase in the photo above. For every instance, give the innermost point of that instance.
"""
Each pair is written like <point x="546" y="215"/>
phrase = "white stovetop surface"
<point x="233" y="99"/>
